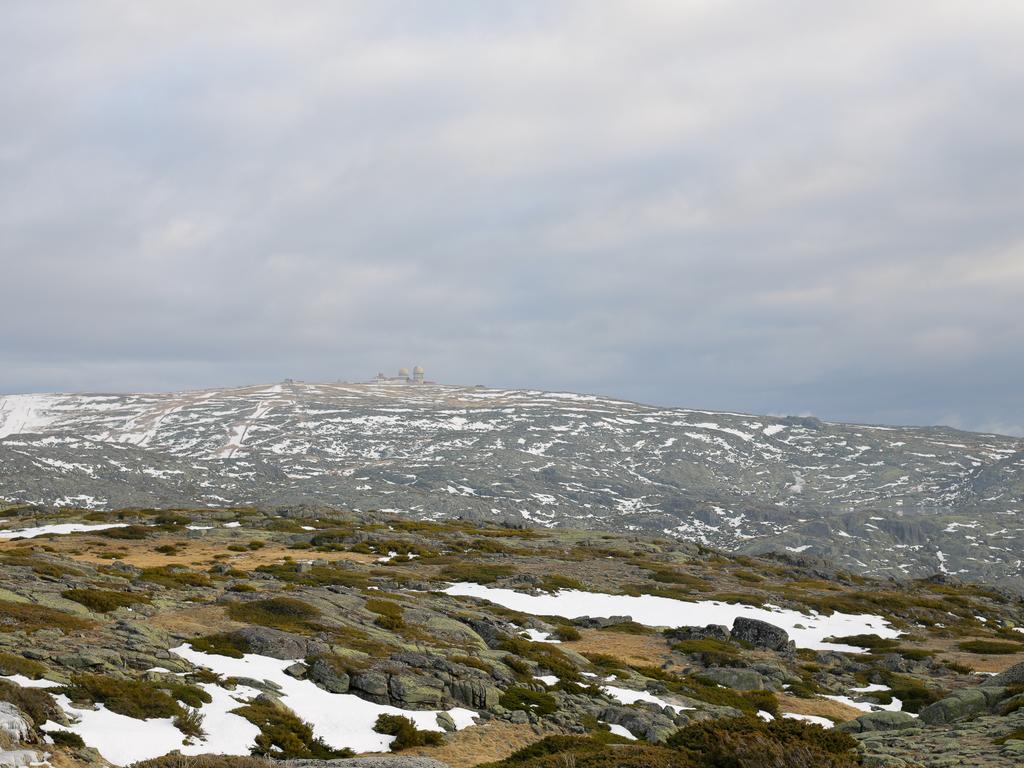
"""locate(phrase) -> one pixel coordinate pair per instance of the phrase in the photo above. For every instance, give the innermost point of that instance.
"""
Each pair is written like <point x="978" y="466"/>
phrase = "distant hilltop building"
<point x="403" y="377"/>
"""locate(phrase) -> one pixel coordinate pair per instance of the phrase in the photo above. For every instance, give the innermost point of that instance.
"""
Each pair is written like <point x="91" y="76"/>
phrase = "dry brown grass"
<point x="636" y="650"/>
<point x="194" y="552"/>
<point x="196" y="620"/>
<point x="485" y="743"/>
<point x="819" y="707"/>
<point x="979" y="662"/>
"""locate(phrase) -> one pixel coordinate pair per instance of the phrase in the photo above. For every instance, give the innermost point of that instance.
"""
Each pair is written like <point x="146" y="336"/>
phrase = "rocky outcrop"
<point x="710" y="632"/>
<point x="648" y="723"/>
<point x="273" y="642"/>
<point x="964" y="704"/>
<point x="760" y="634"/>
<point x="879" y="721"/>
<point x="737" y="678"/>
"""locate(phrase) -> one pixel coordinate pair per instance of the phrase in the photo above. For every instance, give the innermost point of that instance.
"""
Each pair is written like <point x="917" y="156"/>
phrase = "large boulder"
<point x="273" y="642"/>
<point x="760" y="634"/>
<point x="475" y="693"/>
<point x="1014" y="674"/>
<point x="371" y="685"/>
<point x="328" y="676"/>
<point x="643" y="722"/>
<point x="735" y="677"/>
<point x="965" y="704"/>
<point x="879" y="721"/>
<point x="710" y="632"/>
<point x="412" y="691"/>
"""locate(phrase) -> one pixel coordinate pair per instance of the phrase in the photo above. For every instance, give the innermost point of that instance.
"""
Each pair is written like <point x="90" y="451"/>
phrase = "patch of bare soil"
<point x="485" y="743"/>
<point x="642" y="650"/>
<point x="819" y="707"/>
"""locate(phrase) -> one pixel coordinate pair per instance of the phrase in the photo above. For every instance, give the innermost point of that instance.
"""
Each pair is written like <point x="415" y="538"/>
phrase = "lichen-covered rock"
<point x="273" y="642"/>
<point x="415" y="690"/>
<point x="475" y="693"/>
<point x="879" y="721"/>
<point x="370" y="685"/>
<point x="1010" y="676"/>
<point x="736" y="677"/>
<point x="328" y="676"/>
<point x="647" y="723"/>
<point x="963" y="704"/>
<point x="710" y="632"/>
<point x="760" y="634"/>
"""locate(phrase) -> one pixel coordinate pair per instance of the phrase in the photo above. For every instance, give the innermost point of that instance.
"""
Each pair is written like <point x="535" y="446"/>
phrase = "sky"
<point x="778" y="208"/>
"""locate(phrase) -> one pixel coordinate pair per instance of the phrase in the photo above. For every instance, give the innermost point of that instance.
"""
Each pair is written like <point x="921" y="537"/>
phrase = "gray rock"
<point x="964" y="704"/>
<point x="273" y="642"/>
<point x="327" y="676"/>
<point x="475" y="693"/>
<point x="372" y="684"/>
<point x="298" y="670"/>
<point x="760" y="634"/>
<point x="879" y="721"/>
<point x="599" y="622"/>
<point x="645" y="723"/>
<point x="1014" y="674"/>
<point x="737" y="678"/>
<point x="446" y="722"/>
<point x="709" y="632"/>
<point x="415" y="690"/>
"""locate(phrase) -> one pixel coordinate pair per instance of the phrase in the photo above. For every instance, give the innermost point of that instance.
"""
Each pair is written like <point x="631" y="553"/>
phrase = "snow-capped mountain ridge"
<point x="726" y="479"/>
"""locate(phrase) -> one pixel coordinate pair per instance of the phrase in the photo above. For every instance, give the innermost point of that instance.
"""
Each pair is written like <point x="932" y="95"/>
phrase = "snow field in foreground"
<point x="341" y="720"/>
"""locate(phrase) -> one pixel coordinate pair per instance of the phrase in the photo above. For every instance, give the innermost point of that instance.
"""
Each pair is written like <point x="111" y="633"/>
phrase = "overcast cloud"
<point x="783" y="207"/>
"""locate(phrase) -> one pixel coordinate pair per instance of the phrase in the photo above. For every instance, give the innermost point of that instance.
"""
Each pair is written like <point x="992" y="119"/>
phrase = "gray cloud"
<point x="786" y="207"/>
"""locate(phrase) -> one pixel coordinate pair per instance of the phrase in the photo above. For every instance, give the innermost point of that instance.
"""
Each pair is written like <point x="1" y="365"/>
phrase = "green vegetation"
<point x="142" y="698"/>
<point x="10" y="664"/>
<point x="478" y="573"/>
<point x="38" y="565"/>
<point x="527" y="699"/>
<point x="104" y="600"/>
<point x="990" y="646"/>
<point x="738" y="743"/>
<point x="34" y="702"/>
<point x="405" y="732"/>
<point x="174" y="577"/>
<point x="712" y="653"/>
<point x="29" y="617"/>
<point x="128" y="533"/>
<point x="222" y="644"/>
<point x="284" y="736"/>
<point x="67" y="739"/>
<point x="287" y="613"/>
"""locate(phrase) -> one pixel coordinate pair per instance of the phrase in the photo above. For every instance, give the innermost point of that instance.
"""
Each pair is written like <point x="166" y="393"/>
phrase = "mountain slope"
<point x="880" y="499"/>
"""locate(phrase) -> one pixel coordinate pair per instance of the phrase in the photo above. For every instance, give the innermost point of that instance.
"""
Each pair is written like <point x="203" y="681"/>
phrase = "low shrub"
<point x="405" y="732"/>
<point x="29" y="617"/>
<point x="12" y="664"/>
<point x="999" y="647"/>
<point x="222" y="644"/>
<point x="34" y="702"/>
<point x="68" y="739"/>
<point x="287" y="613"/>
<point x="528" y="700"/>
<point x="104" y="600"/>
<point x="478" y="573"/>
<point x="284" y="736"/>
<point x="174" y="577"/>
<point x="190" y="723"/>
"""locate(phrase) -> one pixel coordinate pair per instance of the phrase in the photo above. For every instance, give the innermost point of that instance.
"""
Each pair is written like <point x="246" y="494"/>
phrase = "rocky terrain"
<point x="308" y="634"/>
<point x="907" y="502"/>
